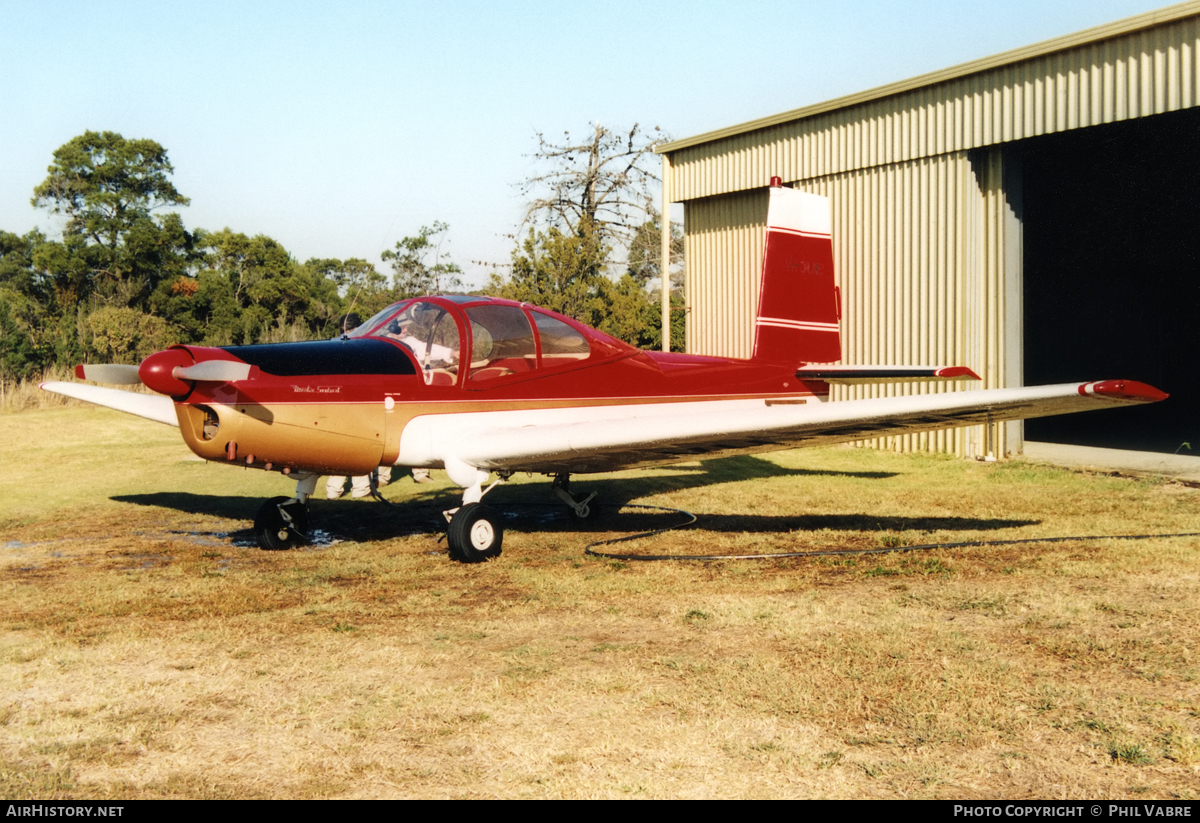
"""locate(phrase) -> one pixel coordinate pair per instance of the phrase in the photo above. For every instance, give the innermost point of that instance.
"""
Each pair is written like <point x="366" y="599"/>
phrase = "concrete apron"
<point x="1181" y="468"/>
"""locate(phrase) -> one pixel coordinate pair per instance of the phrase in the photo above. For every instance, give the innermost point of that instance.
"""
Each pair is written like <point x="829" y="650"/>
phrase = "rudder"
<point x="799" y="304"/>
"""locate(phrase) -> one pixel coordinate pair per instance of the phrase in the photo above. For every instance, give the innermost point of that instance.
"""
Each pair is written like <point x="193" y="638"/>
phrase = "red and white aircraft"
<point x="476" y="386"/>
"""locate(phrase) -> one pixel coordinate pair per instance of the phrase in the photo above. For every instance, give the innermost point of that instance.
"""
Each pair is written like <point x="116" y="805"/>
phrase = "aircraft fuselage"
<point x="342" y="406"/>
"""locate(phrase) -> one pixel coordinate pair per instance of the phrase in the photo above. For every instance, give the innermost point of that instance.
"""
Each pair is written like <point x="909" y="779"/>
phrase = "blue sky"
<point x="339" y="129"/>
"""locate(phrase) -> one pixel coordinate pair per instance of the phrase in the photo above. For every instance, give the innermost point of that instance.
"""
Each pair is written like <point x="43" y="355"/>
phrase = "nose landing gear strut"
<point x="282" y="522"/>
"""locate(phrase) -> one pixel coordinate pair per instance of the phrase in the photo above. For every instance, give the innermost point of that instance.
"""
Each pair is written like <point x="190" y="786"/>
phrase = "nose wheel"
<point x="475" y="534"/>
<point x="281" y="523"/>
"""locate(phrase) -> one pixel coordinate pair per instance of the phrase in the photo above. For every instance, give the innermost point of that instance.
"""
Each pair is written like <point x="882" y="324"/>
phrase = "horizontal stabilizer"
<point x="150" y="406"/>
<point x="855" y="375"/>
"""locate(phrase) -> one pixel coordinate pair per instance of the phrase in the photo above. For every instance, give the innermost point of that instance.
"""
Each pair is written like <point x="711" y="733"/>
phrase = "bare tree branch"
<point x="605" y="181"/>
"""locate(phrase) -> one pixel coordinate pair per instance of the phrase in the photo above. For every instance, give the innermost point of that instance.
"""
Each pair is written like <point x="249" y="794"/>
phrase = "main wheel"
<point x="475" y="534"/>
<point x="272" y="529"/>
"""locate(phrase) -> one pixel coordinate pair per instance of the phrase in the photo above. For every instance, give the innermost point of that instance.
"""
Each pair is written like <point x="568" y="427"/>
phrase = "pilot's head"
<point x="349" y="322"/>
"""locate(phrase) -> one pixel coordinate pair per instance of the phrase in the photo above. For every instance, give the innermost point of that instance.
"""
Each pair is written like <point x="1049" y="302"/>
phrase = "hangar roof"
<point x="1087" y="36"/>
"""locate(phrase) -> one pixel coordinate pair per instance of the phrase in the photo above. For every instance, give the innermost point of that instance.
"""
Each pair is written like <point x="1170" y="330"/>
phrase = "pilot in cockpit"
<point x="407" y="330"/>
<point x="400" y="330"/>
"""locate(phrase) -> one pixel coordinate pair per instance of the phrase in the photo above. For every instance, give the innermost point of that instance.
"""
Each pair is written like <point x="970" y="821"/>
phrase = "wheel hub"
<point x="482" y="535"/>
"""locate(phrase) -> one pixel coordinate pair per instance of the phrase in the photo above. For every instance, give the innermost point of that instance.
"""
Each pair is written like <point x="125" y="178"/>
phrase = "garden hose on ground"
<point x="590" y="550"/>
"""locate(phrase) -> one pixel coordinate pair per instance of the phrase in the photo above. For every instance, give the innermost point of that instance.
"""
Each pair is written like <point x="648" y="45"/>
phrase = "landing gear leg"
<point x="282" y="522"/>
<point x="562" y="490"/>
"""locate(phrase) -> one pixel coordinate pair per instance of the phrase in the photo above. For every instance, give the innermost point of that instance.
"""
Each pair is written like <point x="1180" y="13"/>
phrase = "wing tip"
<point x="1130" y="391"/>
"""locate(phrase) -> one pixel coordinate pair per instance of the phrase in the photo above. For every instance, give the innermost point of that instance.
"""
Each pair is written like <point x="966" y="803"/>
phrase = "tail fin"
<point x="798" y="304"/>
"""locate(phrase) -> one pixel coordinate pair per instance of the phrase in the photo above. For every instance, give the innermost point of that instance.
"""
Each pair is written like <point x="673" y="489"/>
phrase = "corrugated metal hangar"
<point x="1033" y="215"/>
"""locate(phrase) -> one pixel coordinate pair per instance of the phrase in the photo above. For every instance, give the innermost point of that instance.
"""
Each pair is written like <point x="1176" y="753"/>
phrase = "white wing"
<point x="150" y="406"/>
<point x="609" y="438"/>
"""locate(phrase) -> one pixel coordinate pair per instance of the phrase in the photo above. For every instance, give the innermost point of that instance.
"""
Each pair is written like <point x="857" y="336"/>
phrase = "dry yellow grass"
<point x="145" y="653"/>
<point x="24" y="395"/>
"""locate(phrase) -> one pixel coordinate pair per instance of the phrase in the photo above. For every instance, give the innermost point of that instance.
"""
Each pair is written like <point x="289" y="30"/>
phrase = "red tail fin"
<point x="798" y="303"/>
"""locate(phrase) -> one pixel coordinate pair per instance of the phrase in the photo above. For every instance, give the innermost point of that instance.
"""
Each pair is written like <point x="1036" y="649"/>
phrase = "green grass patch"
<point x="146" y="652"/>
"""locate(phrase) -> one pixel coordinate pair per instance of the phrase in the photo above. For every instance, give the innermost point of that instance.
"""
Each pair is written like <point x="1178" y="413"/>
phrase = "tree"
<point x="123" y="335"/>
<point x="651" y="337"/>
<point x="363" y="289"/>
<point x="65" y="272"/>
<point x="558" y="271"/>
<point x="248" y="290"/>
<point x="645" y="252"/>
<point x="16" y="262"/>
<point x="122" y="280"/>
<point x="350" y="276"/>
<point x="113" y="249"/>
<point x="153" y="251"/>
<point x="596" y="198"/>
<point x="105" y="184"/>
<point x="623" y="309"/>
<point x="19" y="357"/>
<point x="604" y="182"/>
<point x="22" y="304"/>
<point x="419" y="266"/>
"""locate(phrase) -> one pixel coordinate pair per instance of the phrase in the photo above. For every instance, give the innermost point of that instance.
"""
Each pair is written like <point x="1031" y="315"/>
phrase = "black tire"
<point x="475" y="534"/>
<point x="274" y="533"/>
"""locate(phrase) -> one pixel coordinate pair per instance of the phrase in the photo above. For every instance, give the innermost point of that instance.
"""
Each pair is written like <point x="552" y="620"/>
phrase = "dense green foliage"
<point x="127" y="277"/>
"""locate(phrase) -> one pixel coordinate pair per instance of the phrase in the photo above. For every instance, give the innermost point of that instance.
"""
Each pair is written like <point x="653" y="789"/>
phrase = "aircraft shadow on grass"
<point x="529" y="507"/>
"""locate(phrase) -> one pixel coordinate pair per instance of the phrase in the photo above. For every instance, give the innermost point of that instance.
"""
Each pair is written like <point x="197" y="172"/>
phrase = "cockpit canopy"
<point x="489" y="339"/>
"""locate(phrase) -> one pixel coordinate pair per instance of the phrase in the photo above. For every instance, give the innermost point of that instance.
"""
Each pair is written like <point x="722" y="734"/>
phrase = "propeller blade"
<point x="108" y="373"/>
<point x="222" y="371"/>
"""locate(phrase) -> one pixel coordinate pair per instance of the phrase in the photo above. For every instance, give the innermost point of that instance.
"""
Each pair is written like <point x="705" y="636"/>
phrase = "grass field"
<point x="148" y="650"/>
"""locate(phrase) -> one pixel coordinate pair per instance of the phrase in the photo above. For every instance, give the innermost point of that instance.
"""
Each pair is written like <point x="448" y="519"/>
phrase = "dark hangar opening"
<point x="1111" y="218"/>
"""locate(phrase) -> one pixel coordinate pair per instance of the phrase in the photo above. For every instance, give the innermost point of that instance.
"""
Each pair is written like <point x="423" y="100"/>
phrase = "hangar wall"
<point x="919" y="249"/>
<point x="927" y="232"/>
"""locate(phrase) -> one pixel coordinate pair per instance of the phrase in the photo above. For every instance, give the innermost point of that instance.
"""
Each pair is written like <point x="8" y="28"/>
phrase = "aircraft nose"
<point x="158" y="372"/>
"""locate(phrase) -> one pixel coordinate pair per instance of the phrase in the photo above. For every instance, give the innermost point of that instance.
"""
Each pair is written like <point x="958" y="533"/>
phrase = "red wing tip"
<point x="1124" y="390"/>
<point x="79" y="372"/>
<point x="956" y="371"/>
